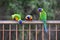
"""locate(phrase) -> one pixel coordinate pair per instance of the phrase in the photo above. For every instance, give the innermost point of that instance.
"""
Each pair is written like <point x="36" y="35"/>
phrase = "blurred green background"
<point x="8" y="7"/>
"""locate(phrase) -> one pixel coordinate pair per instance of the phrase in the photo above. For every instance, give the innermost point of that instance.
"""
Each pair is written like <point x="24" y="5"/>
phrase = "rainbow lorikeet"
<point x="17" y="17"/>
<point x="43" y="17"/>
<point x="28" y="18"/>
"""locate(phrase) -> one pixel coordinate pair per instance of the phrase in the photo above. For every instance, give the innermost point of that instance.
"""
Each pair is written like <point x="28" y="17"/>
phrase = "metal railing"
<point x="29" y="29"/>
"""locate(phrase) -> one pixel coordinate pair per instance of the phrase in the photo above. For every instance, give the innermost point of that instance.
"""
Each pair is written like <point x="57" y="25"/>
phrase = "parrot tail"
<point x="45" y="27"/>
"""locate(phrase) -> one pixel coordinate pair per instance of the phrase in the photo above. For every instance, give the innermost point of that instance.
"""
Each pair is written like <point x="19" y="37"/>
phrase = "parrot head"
<point x="28" y="17"/>
<point x="20" y="21"/>
<point x="40" y="9"/>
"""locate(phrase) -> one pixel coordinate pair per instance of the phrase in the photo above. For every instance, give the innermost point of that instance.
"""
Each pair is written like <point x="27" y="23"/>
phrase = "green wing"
<point x="16" y="15"/>
<point x="43" y="15"/>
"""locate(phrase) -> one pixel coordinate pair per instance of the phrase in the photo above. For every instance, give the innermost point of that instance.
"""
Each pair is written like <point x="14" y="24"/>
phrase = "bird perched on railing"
<point x="17" y="17"/>
<point x="43" y="17"/>
<point x="28" y="18"/>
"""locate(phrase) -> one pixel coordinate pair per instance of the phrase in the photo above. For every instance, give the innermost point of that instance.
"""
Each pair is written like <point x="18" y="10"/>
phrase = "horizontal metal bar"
<point x="29" y="22"/>
<point x="8" y="22"/>
<point x="27" y="30"/>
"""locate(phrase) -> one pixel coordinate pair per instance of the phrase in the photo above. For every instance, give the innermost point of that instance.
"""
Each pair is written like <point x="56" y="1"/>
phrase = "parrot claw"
<point x="20" y="21"/>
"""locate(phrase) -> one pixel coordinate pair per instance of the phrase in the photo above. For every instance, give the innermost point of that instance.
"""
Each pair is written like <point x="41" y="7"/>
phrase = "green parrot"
<point x="43" y="17"/>
<point x="17" y="17"/>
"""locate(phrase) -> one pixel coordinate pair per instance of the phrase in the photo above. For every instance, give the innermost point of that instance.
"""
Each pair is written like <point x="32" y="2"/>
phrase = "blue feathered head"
<point x="40" y="9"/>
<point x="28" y="16"/>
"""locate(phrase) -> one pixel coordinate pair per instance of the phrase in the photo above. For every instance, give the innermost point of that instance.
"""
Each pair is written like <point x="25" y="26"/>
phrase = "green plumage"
<point x="43" y="17"/>
<point x="16" y="15"/>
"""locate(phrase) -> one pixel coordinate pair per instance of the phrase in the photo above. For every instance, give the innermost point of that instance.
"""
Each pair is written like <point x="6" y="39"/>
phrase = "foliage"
<point x="27" y="6"/>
